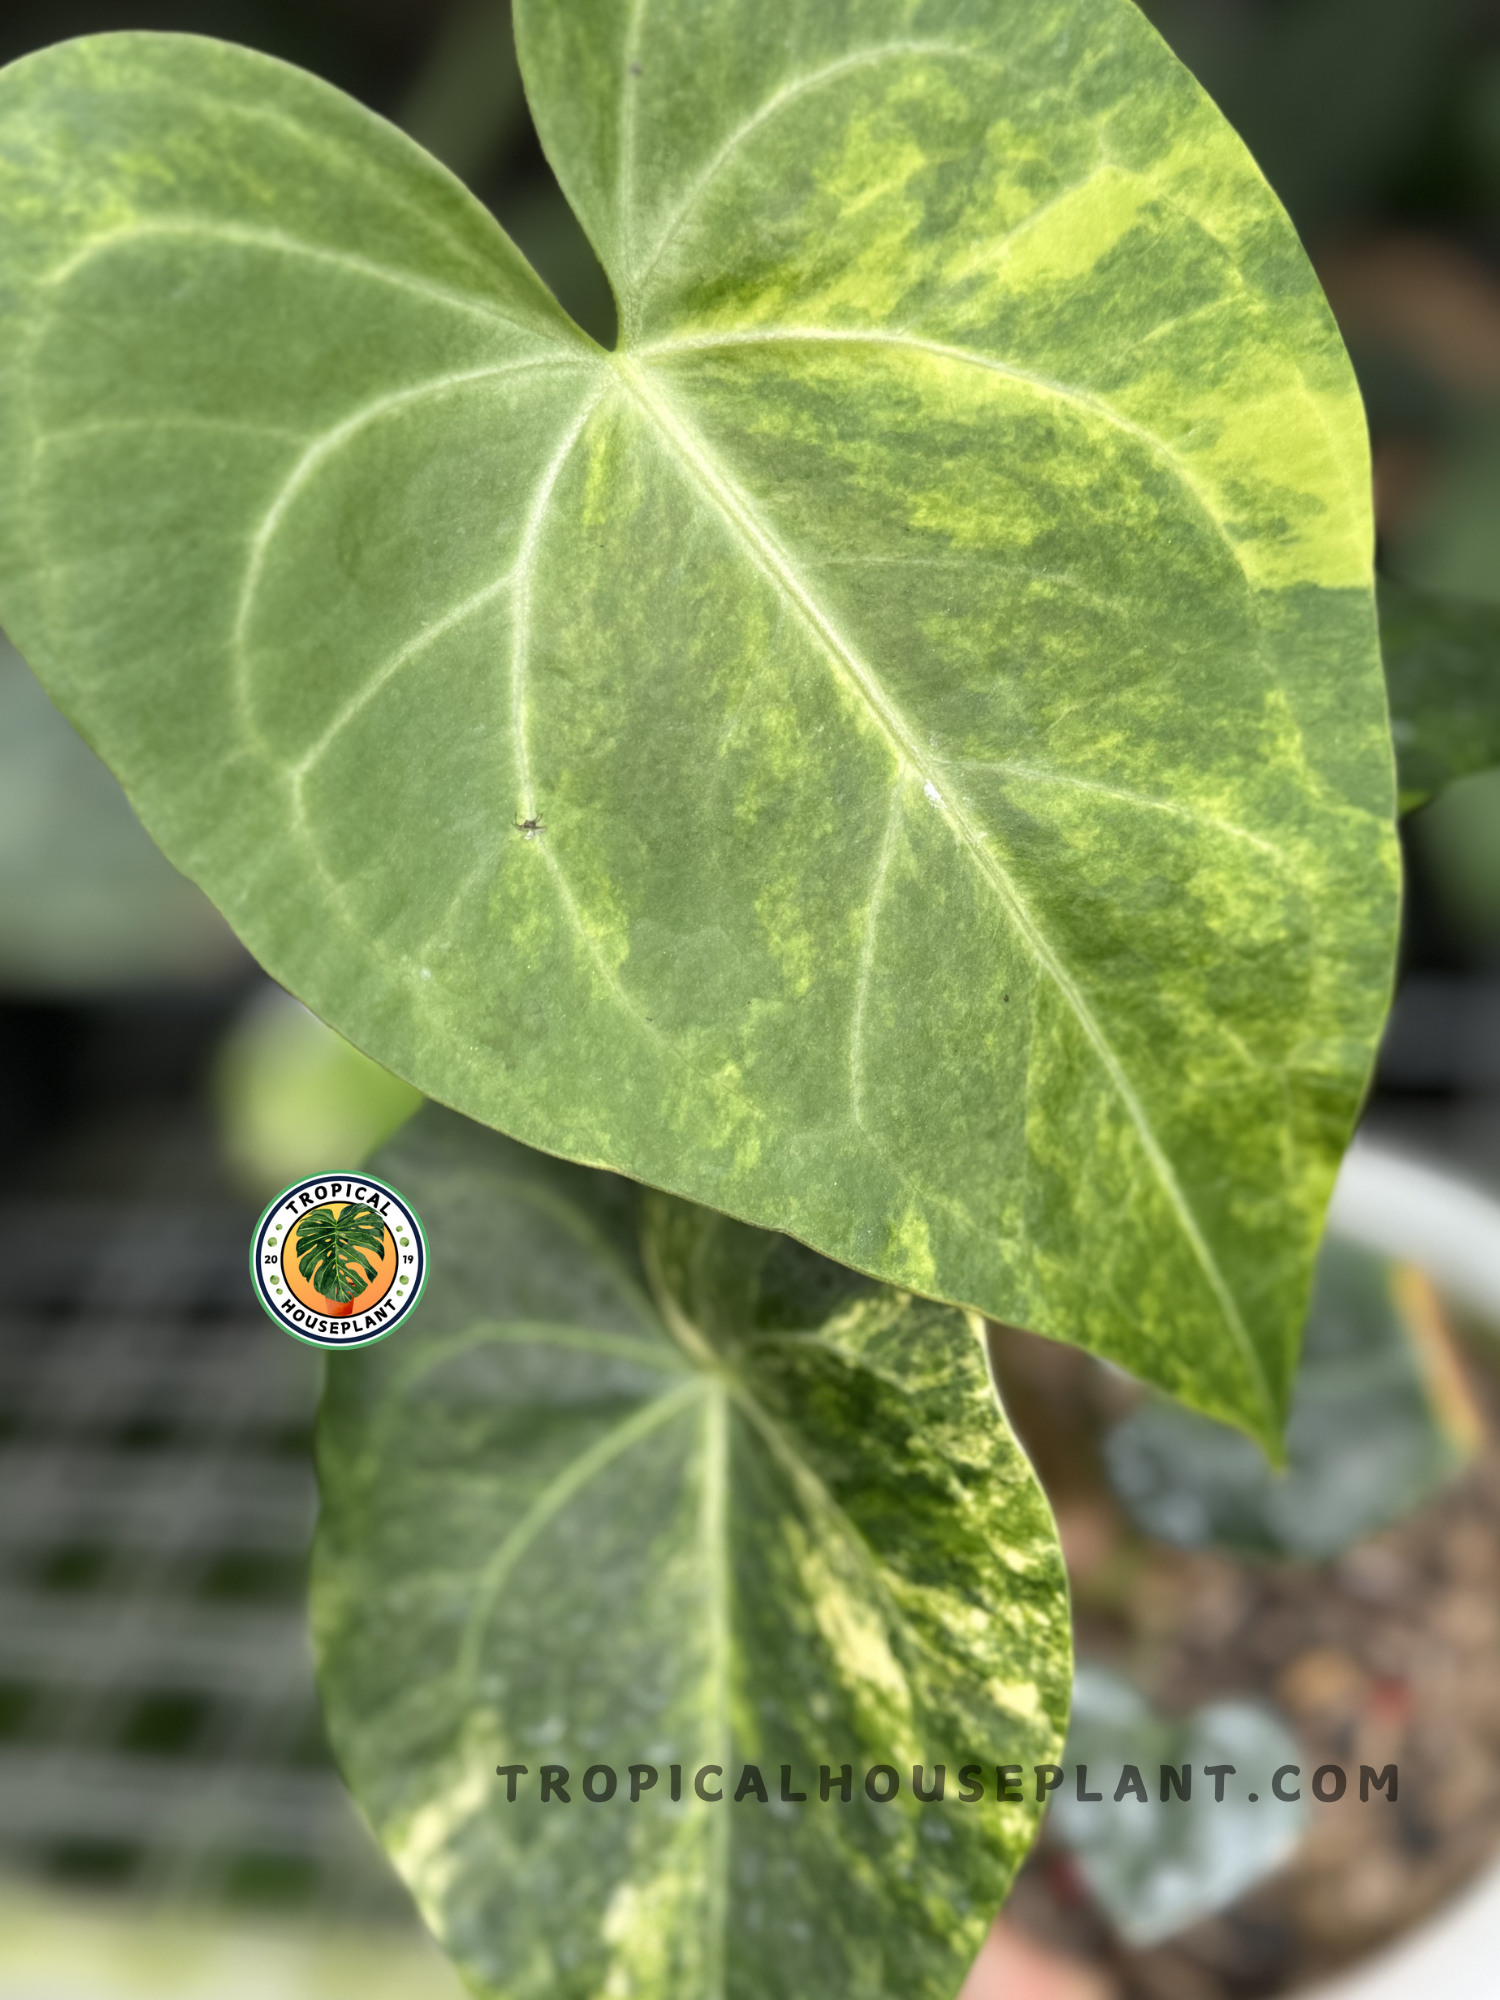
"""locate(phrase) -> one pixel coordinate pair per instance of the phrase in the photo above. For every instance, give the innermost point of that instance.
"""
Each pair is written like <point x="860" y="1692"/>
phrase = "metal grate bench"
<point x="158" y="1724"/>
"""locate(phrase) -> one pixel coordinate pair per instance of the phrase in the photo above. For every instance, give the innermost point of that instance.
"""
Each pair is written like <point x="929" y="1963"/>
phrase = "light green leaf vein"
<point x="165" y="421"/>
<point x="968" y="357"/>
<point x="883" y="859"/>
<point x="205" y="229"/>
<point x="786" y="94"/>
<point x="909" y="756"/>
<point x="550" y="1502"/>
<point x="317" y="454"/>
<point x="531" y="536"/>
<point x="437" y="1354"/>
<point x="1036" y="774"/>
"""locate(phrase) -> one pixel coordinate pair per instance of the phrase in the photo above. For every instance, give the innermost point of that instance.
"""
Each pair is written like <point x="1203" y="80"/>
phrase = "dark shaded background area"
<point x="1378" y="121"/>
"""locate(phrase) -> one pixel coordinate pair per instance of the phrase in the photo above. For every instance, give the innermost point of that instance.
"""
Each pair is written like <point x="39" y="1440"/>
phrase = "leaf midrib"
<point x="720" y="1389"/>
<point x="809" y="1487"/>
<point x="968" y="357"/>
<point x="694" y="455"/>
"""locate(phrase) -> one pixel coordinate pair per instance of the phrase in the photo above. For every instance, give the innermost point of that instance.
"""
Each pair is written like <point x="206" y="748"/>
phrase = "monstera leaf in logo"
<point x="331" y="1247"/>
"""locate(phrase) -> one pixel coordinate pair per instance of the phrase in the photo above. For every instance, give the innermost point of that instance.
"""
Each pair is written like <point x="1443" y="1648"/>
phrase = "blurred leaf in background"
<point x="1442" y="674"/>
<point x="67" y="1948"/>
<point x="1156" y="1867"/>
<point x="1458" y="840"/>
<point x="1480" y="124"/>
<point x="1380" y="1419"/>
<point x="294" y="1097"/>
<point x="87" y="902"/>
<point x="1454" y="542"/>
<point x="466" y="104"/>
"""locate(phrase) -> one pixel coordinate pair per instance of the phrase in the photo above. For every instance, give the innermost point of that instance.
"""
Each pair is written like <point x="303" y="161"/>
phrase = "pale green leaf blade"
<point x="1442" y="670"/>
<point x="938" y="656"/>
<point x="793" y="1530"/>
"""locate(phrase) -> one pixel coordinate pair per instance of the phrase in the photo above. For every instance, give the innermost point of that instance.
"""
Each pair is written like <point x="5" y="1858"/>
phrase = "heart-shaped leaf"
<point x="644" y="1487"/>
<point x="1158" y="1863"/>
<point x="896" y="751"/>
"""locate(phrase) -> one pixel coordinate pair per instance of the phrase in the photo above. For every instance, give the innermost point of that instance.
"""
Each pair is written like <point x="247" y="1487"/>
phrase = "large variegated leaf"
<point x="896" y="751"/>
<point x="1442" y="670"/>
<point x="646" y="1487"/>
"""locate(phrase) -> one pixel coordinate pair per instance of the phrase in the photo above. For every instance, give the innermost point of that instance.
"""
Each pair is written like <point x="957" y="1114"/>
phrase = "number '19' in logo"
<point x="338" y="1260"/>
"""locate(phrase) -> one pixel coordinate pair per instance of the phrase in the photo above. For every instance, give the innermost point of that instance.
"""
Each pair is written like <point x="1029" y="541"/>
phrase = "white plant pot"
<point x="1403" y="1208"/>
